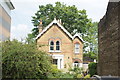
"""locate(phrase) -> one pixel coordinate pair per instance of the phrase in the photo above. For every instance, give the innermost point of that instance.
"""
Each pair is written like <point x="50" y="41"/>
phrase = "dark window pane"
<point x="51" y="48"/>
<point x="55" y="61"/>
<point x="57" y="43"/>
<point x="52" y="43"/>
<point x="57" y="47"/>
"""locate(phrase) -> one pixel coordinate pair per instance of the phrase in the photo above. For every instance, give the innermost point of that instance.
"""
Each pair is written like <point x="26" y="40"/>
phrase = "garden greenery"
<point x="21" y="60"/>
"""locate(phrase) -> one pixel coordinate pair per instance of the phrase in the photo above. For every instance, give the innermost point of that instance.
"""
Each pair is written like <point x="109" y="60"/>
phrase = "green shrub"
<point x="23" y="61"/>
<point x="76" y="72"/>
<point x="66" y="75"/>
<point x="87" y="76"/>
<point x="92" y="68"/>
<point x="54" y="69"/>
<point x="54" y="72"/>
<point x="80" y="76"/>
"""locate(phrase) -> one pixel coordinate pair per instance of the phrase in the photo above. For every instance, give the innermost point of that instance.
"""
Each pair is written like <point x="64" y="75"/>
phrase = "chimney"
<point x="40" y="27"/>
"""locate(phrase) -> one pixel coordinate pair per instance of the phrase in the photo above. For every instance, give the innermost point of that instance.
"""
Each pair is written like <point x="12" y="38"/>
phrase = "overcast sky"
<point x="21" y="16"/>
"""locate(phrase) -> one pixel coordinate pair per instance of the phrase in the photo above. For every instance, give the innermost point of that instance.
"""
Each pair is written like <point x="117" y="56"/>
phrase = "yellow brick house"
<point x="65" y="49"/>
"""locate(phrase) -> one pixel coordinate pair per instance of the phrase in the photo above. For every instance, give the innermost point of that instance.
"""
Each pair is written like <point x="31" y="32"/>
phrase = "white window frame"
<point x="77" y="48"/>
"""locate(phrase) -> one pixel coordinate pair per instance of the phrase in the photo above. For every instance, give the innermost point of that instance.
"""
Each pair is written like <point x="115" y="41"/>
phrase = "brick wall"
<point x="109" y="41"/>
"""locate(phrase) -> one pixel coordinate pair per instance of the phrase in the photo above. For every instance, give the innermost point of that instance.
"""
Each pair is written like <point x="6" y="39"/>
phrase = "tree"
<point x="21" y="60"/>
<point x="91" y="41"/>
<point x="93" y="56"/>
<point x="74" y="20"/>
<point x="30" y="39"/>
<point x="91" y="37"/>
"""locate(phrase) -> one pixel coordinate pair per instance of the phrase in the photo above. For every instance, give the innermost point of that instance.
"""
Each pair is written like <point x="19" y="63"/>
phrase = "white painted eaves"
<point x="59" y="25"/>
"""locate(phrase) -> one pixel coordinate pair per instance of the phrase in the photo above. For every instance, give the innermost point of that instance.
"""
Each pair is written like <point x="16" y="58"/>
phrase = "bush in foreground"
<point x="21" y="60"/>
<point x="92" y="68"/>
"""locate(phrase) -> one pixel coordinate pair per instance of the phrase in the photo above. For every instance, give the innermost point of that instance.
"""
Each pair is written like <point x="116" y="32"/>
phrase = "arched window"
<point x="58" y="45"/>
<point x="77" y="48"/>
<point x="51" y="45"/>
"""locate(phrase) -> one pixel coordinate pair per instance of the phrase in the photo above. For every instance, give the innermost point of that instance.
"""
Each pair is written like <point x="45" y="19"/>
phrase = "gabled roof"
<point x="59" y="25"/>
<point x="77" y="35"/>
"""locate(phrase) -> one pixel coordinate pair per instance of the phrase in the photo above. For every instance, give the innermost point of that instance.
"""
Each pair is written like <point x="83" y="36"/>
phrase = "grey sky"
<point x="21" y="16"/>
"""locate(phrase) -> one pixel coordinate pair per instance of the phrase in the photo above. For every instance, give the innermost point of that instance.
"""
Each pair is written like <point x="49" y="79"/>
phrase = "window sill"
<point x="58" y="51"/>
<point x="51" y="51"/>
<point x="55" y="51"/>
<point x="76" y="53"/>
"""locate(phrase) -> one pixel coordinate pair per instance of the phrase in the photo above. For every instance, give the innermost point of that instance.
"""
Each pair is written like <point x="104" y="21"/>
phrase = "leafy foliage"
<point x="54" y="72"/>
<point x="67" y="75"/>
<point x="30" y="39"/>
<point x="92" y="68"/>
<point x="80" y="76"/>
<point x="77" y="72"/>
<point x="87" y="76"/>
<point x="21" y="60"/>
<point x="91" y="38"/>
<point x="91" y="55"/>
<point x="25" y="61"/>
<point x="72" y="18"/>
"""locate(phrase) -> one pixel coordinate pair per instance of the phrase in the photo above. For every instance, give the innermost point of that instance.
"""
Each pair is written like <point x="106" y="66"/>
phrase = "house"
<point x="5" y="19"/>
<point x="65" y="49"/>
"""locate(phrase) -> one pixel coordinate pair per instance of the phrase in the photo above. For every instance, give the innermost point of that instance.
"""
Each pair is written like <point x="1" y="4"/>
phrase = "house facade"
<point x="65" y="49"/>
